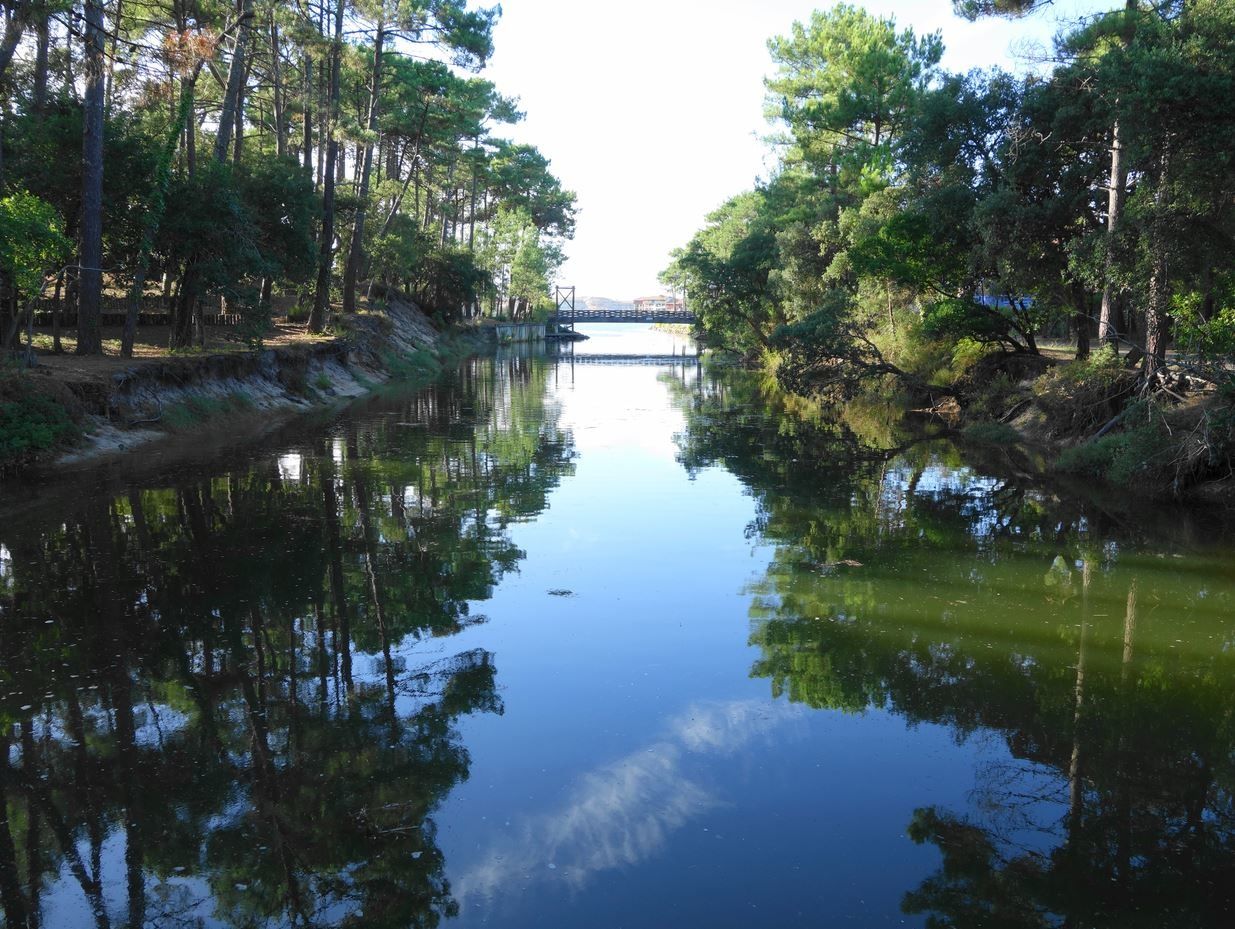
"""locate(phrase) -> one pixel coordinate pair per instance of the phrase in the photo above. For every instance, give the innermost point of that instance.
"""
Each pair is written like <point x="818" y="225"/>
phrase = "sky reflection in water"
<point x="563" y="645"/>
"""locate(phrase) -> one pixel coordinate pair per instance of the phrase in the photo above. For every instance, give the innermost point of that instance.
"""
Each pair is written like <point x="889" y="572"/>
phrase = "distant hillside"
<point x="603" y="304"/>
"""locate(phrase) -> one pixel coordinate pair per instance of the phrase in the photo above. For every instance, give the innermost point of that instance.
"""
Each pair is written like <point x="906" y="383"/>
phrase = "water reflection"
<point x="624" y="812"/>
<point x="251" y="692"/>
<point x="231" y="697"/>
<point x="1096" y="642"/>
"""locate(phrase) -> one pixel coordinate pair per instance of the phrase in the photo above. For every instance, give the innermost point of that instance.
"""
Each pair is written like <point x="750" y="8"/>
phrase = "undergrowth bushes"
<point x="1142" y="449"/>
<point x="1159" y="450"/>
<point x="32" y="422"/>
<point x="1081" y="397"/>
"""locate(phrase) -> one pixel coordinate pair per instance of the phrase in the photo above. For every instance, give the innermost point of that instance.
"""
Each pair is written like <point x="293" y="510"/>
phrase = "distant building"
<point x="659" y="304"/>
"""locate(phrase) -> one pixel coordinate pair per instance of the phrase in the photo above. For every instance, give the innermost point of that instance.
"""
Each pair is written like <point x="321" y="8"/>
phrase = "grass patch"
<point x="198" y="408"/>
<point x="421" y="364"/>
<point x="323" y="382"/>
<point x="1142" y="451"/>
<point x="32" y="423"/>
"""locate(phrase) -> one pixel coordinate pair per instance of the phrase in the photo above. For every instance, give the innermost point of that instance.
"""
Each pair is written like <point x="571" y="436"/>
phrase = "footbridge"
<point x="586" y="315"/>
<point x="567" y="314"/>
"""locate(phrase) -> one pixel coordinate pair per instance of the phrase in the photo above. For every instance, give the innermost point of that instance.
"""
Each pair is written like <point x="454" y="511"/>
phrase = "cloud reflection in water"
<point x="624" y="812"/>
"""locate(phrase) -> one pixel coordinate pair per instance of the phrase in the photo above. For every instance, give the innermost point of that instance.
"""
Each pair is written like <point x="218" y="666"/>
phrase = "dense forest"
<point x="199" y="157"/>
<point x="943" y="231"/>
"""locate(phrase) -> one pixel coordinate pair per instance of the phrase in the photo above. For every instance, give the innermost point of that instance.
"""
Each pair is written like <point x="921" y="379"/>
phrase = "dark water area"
<point x="564" y="643"/>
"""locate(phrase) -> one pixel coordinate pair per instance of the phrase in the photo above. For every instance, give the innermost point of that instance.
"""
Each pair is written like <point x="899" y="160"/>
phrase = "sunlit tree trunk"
<point x="1157" y="323"/>
<point x="1116" y="184"/>
<point x="229" y="115"/>
<point x="325" y="260"/>
<point x="355" y="254"/>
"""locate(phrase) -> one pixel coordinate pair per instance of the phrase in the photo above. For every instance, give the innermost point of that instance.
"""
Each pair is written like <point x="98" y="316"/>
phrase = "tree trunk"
<point x="229" y="115"/>
<point x="90" y="296"/>
<point x="186" y="300"/>
<point x="111" y="57"/>
<point x="155" y="208"/>
<point x="1107" y="329"/>
<point x="1157" y="323"/>
<point x="238" y="134"/>
<point x="1081" y="301"/>
<point x="411" y="176"/>
<point x="321" y="294"/>
<point x="356" y="253"/>
<point x="41" y="50"/>
<point x="308" y="116"/>
<point x="14" y="28"/>
<point x="276" y="90"/>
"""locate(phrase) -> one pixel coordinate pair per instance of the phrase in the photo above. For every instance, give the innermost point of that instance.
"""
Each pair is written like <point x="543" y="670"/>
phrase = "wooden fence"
<point x="154" y="311"/>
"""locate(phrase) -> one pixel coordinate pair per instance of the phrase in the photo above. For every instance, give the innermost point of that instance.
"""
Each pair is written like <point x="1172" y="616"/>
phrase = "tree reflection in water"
<point x="219" y="698"/>
<point x="1095" y="642"/>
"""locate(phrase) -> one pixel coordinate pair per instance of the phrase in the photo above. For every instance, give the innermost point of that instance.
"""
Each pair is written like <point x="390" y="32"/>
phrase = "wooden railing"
<point x="154" y="311"/>
<point x="624" y="316"/>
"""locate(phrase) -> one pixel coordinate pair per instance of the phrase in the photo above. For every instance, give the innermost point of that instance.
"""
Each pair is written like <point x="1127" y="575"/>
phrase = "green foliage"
<point x="966" y="353"/>
<point x="968" y="320"/>
<point x="993" y="398"/>
<point x="726" y="270"/>
<point x="917" y="351"/>
<point x="32" y="240"/>
<point x="1141" y="454"/>
<point x="198" y="408"/>
<point x="1082" y="396"/>
<point x="419" y="366"/>
<point x="280" y="202"/>
<point x="979" y="203"/>
<point x="31" y="422"/>
<point x="846" y="82"/>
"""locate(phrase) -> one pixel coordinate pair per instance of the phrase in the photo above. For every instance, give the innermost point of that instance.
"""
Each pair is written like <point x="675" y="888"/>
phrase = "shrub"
<point x="31" y="422"/>
<point x="1143" y="451"/>
<point x="421" y="364"/>
<point x="966" y="353"/>
<point x="1082" y="396"/>
<point x="993" y="399"/>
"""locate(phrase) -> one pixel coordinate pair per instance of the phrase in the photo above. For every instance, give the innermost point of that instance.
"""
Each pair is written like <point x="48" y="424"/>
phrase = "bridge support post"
<point x="565" y="297"/>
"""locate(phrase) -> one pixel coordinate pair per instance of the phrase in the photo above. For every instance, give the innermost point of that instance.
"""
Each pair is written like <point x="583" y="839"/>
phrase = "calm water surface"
<point x="585" y="644"/>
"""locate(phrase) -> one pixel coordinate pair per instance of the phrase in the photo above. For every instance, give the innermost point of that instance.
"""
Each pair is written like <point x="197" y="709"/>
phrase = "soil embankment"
<point x="119" y="406"/>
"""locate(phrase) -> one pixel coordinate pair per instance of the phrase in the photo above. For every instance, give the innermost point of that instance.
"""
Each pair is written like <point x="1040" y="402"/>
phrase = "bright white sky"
<point x="652" y="110"/>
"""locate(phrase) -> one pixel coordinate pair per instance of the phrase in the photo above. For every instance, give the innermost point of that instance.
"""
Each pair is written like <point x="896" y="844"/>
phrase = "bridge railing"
<point x="624" y="316"/>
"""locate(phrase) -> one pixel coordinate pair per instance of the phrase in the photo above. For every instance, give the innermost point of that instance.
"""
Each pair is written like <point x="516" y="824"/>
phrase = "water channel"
<point x="580" y="643"/>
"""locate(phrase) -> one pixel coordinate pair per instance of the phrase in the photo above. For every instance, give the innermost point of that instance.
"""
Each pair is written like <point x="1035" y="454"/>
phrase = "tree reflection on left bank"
<point x="220" y="697"/>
